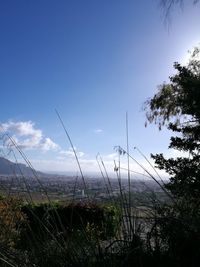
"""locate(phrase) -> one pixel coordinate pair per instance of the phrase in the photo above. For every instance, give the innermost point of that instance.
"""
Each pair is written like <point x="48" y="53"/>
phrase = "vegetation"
<point x="177" y="106"/>
<point x="167" y="6"/>
<point x="118" y="233"/>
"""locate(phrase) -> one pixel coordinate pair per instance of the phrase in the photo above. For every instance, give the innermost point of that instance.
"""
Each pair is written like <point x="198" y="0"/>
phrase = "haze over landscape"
<point x="93" y="61"/>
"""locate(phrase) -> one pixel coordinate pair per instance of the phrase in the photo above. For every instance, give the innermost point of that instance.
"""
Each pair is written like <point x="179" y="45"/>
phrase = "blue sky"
<point x="92" y="60"/>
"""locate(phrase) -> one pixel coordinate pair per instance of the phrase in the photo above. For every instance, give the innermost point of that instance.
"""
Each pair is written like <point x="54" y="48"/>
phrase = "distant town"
<point x="65" y="188"/>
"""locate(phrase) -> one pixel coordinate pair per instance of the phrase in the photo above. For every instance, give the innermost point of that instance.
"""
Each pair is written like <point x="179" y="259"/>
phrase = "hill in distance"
<point x="8" y="167"/>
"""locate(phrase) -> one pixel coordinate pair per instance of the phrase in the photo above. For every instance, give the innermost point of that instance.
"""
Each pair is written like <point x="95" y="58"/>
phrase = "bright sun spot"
<point x="185" y="57"/>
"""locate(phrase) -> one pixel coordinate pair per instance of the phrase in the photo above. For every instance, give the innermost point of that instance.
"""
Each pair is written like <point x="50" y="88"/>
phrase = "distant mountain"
<point x="8" y="167"/>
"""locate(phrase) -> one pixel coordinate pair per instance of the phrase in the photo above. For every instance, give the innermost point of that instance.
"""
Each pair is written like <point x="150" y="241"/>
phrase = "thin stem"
<point x="150" y="164"/>
<point x="72" y="146"/>
<point x="161" y="186"/>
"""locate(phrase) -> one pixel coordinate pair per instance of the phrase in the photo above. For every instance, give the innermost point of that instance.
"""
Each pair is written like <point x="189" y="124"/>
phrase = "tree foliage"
<point x="167" y="6"/>
<point x="176" y="106"/>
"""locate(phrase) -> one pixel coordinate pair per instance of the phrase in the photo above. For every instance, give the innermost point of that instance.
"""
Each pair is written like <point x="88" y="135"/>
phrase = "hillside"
<point x="8" y="167"/>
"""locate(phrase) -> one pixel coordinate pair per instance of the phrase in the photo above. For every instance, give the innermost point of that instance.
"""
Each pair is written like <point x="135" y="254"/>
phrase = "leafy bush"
<point x="12" y="221"/>
<point x="46" y="221"/>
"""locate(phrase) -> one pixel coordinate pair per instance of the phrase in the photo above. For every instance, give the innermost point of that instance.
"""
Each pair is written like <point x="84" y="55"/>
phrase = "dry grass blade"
<point x="74" y="151"/>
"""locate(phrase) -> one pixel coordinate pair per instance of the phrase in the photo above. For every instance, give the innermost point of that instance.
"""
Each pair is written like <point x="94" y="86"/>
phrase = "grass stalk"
<point x="73" y="149"/>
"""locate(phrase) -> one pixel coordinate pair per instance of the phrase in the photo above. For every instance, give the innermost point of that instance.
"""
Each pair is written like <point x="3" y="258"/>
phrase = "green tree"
<point x="176" y="106"/>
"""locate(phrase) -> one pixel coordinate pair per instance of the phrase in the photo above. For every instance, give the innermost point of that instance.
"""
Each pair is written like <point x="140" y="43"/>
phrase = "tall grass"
<point x="54" y="241"/>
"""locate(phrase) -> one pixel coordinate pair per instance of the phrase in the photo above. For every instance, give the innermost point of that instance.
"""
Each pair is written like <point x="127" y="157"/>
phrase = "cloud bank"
<point x="27" y="136"/>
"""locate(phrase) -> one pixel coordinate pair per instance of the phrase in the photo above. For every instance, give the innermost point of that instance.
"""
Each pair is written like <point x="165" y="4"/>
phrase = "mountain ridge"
<point x="8" y="167"/>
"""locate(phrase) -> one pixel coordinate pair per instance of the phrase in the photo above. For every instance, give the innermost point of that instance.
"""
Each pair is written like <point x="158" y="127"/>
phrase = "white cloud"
<point x="23" y="128"/>
<point x="97" y="131"/>
<point x="48" y="144"/>
<point x="70" y="152"/>
<point x="64" y="164"/>
<point x="26" y="136"/>
<point x="112" y="156"/>
<point x="90" y="165"/>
